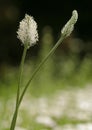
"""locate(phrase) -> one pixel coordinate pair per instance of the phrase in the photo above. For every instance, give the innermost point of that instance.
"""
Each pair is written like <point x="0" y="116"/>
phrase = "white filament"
<point x="27" y="32"/>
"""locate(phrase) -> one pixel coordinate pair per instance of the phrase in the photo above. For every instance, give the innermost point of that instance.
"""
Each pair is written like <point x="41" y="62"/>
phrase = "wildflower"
<point x="69" y="26"/>
<point x="27" y="32"/>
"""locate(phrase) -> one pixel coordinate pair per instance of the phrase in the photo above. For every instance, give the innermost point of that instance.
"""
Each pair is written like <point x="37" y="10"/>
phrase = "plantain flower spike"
<point x="69" y="26"/>
<point x="27" y="32"/>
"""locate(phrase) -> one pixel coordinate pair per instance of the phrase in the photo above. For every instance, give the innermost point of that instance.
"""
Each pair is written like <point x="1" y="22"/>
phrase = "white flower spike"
<point x="27" y="32"/>
<point x="69" y="26"/>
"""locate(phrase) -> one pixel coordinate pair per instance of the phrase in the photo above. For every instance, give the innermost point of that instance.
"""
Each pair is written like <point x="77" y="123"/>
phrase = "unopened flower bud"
<point x="69" y="26"/>
<point x="27" y="32"/>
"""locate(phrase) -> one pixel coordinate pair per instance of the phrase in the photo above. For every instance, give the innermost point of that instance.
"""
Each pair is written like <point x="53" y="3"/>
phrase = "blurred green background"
<point x="68" y="70"/>
<point x="51" y="16"/>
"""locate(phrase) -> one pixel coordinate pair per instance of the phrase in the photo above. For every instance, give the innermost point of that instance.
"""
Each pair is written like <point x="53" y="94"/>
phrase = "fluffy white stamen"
<point x="27" y="32"/>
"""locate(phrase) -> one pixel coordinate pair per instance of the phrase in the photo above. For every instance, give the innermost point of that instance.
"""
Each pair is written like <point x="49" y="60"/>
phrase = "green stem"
<point x="21" y="72"/>
<point x="13" y="123"/>
<point x="39" y="66"/>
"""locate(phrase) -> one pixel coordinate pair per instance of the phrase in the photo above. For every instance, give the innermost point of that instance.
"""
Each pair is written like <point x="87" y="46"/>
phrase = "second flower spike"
<point x="69" y="26"/>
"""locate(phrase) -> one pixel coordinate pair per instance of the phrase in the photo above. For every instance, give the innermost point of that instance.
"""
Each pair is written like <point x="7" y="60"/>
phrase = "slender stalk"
<point x="13" y="123"/>
<point x="21" y="72"/>
<point x="39" y="66"/>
